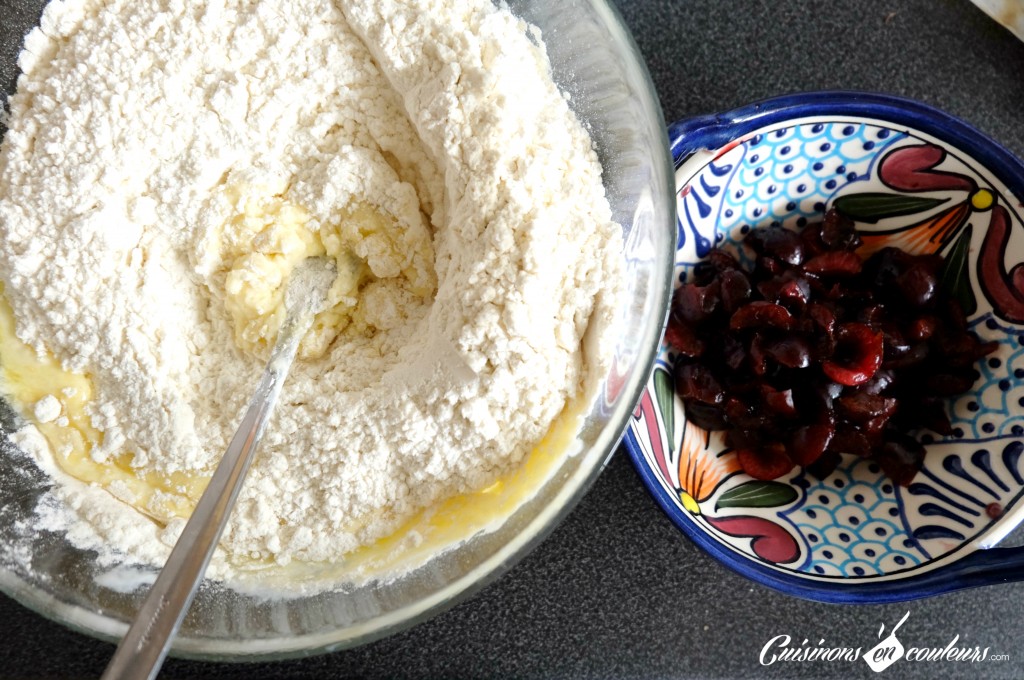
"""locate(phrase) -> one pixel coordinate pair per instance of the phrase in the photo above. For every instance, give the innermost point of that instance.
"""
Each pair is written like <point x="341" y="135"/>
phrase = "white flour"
<point x="156" y="146"/>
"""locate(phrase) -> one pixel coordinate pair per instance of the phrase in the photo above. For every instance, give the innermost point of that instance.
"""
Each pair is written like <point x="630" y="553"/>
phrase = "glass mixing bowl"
<point x="597" y="64"/>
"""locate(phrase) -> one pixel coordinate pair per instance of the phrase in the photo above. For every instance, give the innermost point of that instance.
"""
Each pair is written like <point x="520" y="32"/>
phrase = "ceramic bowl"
<point x="913" y="177"/>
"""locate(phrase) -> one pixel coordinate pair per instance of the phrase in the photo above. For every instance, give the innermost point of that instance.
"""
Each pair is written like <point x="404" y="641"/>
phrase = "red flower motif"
<point x="912" y="168"/>
<point x="770" y="542"/>
<point x="1005" y="290"/>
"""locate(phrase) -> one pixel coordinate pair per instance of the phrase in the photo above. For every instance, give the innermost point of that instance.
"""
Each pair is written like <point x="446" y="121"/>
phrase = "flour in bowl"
<point x="168" y="163"/>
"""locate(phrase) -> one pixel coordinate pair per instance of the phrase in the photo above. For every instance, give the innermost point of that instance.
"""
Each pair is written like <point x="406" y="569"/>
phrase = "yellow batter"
<point x="26" y="378"/>
<point x="269" y="236"/>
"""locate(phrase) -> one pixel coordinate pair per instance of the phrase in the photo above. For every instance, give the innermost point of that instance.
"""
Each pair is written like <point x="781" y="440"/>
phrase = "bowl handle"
<point x="986" y="567"/>
<point x="709" y="132"/>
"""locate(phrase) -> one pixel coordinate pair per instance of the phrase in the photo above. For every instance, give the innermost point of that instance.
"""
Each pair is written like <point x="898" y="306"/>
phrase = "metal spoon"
<point x="142" y="651"/>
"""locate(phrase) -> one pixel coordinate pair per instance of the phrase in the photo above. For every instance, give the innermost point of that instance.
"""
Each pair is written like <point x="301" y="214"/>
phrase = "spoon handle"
<point x="141" y="653"/>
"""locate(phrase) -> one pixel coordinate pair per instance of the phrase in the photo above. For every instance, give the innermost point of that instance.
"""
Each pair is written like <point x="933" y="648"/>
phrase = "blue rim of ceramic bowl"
<point x="978" y="568"/>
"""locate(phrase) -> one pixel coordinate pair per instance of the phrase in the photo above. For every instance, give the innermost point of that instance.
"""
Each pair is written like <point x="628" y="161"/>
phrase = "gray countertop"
<point x="616" y="591"/>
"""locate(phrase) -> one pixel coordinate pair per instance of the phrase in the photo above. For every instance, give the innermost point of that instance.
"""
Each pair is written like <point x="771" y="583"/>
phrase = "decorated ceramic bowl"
<point x="913" y="177"/>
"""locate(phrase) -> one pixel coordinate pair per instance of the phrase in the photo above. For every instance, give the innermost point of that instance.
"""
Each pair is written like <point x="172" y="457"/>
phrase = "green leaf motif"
<point x="956" y="280"/>
<point x="664" y="391"/>
<point x="872" y="207"/>
<point x="757" y="495"/>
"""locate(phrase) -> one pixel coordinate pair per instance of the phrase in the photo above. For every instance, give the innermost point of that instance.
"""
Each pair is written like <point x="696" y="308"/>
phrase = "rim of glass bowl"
<point x="571" y="490"/>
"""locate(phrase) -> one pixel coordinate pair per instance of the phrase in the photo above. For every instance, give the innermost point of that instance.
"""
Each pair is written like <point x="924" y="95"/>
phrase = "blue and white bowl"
<point x="910" y="176"/>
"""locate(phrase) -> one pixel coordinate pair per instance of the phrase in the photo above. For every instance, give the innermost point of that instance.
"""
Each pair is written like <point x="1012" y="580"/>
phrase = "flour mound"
<point x="140" y="132"/>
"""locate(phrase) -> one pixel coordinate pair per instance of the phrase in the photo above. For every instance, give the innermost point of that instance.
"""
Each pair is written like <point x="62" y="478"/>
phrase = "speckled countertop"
<point x="616" y="591"/>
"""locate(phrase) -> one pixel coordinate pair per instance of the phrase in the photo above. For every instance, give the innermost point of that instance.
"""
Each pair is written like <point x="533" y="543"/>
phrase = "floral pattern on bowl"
<point x="909" y="176"/>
